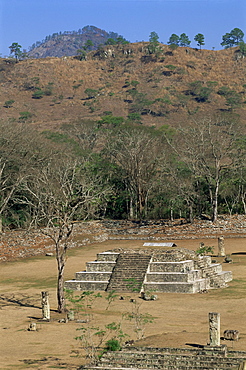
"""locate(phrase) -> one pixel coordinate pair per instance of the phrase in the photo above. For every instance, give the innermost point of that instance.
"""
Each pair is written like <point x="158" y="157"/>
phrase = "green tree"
<point x="91" y="93"/>
<point x="242" y="48"/>
<point x="88" y="45"/>
<point x="81" y="54"/>
<point x="15" y="49"/>
<point x="173" y="40"/>
<point x="199" y="38"/>
<point x="232" y="38"/>
<point x="111" y="41"/>
<point x="184" y="40"/>
<point x="121" y="40"/>
<point x="153" y="37"/>
<point x="153" y="46"/>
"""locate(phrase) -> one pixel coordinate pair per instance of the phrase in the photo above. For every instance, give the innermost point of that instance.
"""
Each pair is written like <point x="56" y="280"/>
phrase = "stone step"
<point x="107" y="256"/>
<point x="167" y="361"/>
<point x="177" y="287"/>
<point x="129" y="272"/>
<point x="92" y="276"/>
<point x="173" y="276"/>
<point x="172" y="362"/>
<point x="183" y="266"/>
<point x="101" y="266"/>
<point x="85" y="285"/>
<point x="215" y="268"/>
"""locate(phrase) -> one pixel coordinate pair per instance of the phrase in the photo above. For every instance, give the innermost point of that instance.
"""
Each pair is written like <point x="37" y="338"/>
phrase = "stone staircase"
<point x="129" y="272"/>
<point x="97" y="274"/>
<point x="172" y="271"/>
<point x="213" y="272"/>
<point x="170" y="359"/>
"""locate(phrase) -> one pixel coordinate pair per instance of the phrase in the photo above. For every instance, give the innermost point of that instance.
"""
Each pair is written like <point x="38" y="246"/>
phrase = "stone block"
<point x="93" y="276"/>
<point x="100" y="266"/>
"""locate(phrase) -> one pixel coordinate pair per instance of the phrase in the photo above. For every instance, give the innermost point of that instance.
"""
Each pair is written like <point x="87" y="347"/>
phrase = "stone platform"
<point x="156" y="270"/>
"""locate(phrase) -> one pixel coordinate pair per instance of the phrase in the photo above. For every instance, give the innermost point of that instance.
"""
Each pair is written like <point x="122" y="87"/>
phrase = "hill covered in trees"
<point x="137" y="131"/>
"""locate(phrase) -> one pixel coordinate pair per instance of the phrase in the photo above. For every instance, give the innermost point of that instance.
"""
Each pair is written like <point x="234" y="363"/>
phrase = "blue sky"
<point x="28" y="21"/>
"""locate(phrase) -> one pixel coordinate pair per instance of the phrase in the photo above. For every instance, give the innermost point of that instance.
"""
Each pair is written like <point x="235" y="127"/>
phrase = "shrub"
<point x="38" y="94"/>
<point x="113" y="345"/>
<point x="24" y="116"/>
<point x="134" y="117"/>
<point x="9" y="103"/>
<point x="48" y="89"/>
<point x="171" y="67"/>
<point x="200" y="92"/>
<point x="203" y="250"/>
<point x="91" y="93"/>
<point x="224" y="90"/>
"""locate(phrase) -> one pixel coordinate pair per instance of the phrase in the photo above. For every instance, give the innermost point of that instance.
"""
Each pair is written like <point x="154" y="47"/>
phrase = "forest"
<point x="112" y="169"/>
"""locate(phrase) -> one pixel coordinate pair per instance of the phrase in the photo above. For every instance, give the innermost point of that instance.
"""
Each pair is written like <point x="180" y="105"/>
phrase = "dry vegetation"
<point x="166" y="78"/>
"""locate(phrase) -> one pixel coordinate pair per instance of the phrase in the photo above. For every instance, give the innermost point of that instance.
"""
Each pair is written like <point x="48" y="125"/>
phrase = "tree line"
<point x="230" y="39"/>
<point x="118" y="170"/>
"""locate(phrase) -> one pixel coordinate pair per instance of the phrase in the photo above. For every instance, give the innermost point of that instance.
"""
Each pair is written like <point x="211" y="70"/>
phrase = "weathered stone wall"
<point x="209" y="358"/>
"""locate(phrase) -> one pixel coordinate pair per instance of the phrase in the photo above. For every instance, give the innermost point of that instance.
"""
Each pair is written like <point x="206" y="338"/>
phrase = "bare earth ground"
<point x="181" y="320"/>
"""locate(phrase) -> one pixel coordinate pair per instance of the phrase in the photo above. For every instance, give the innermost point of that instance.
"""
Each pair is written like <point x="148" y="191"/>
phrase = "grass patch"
<point x="32" y="283"/>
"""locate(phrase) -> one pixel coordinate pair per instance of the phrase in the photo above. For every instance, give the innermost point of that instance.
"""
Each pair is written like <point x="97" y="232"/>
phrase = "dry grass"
<point x="109" y="77"/>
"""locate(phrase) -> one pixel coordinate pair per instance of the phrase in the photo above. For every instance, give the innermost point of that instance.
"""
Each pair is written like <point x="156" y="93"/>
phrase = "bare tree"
<point x="62" y="193"/>
<point x="208" y="147"/>
<point x="21" y="153"/>
<point x="137" y="151"/>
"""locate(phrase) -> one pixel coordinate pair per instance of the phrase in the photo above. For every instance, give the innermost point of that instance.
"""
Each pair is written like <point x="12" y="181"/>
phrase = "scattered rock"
<point x="32" y="327"/>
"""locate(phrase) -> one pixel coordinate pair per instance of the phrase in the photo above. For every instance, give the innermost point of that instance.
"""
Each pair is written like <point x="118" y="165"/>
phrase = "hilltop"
<point x="126" y="81"/>
<point x="67" y="43"/>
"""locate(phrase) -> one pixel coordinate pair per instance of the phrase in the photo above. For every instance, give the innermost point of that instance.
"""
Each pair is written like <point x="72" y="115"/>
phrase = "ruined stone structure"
<point x="153" y="270"/>
<point x="171" y="358"/>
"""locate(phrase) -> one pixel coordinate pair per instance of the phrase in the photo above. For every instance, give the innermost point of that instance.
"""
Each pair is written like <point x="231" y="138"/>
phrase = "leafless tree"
<point x="21" y="153"/>
<point x="209" y="147"/>
<point x="137" y="151"/>
<point x="62" y="193"/>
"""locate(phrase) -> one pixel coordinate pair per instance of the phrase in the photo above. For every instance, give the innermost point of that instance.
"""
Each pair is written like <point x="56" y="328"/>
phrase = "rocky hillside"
<point x="67" y="43"/>
<point x="170" y="88"/>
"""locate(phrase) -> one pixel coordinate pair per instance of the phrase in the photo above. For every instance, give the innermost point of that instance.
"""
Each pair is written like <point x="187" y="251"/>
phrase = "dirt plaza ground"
<point x="181" y="320"/>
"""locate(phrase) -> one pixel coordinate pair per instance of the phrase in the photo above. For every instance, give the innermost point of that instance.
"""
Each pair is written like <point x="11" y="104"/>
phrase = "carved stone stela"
<point x="214" y="329"/>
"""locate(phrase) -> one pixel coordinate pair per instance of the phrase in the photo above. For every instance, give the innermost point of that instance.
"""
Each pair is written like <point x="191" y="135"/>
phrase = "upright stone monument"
<point x="214" y="329"/>
<point x="45" y="306"/>
<point x="221" y="246"/>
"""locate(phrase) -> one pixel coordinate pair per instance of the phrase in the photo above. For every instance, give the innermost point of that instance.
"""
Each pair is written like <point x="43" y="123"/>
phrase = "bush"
<point x="24" y="116"/>
<point x="9" y="103"/>
<point x="113" y="345"/>
<point x="204" y="250"/>
<point x="91" y="93"/>
<point x="38" y="94"/>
